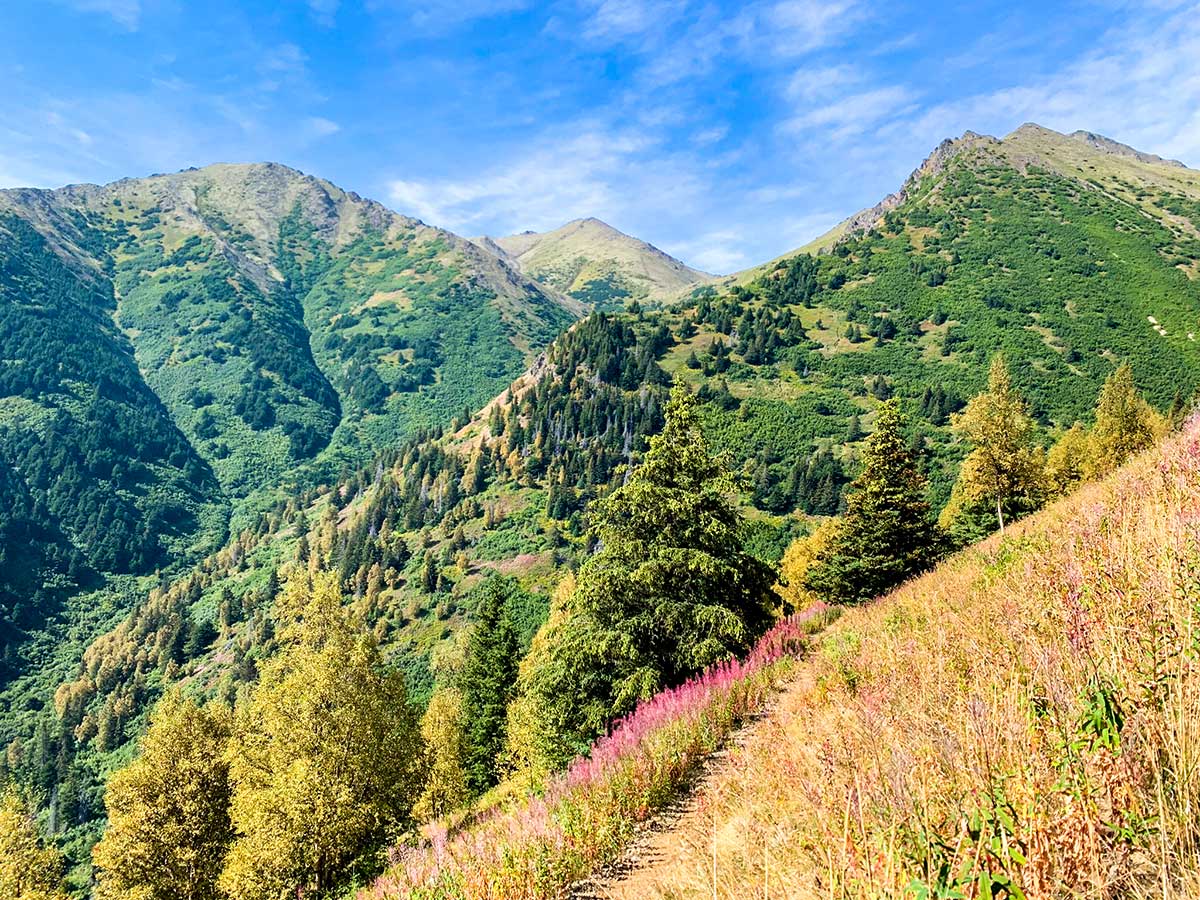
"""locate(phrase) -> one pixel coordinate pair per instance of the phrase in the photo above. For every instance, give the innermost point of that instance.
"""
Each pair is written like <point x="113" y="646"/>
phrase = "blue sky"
<point x="724" y="133"/>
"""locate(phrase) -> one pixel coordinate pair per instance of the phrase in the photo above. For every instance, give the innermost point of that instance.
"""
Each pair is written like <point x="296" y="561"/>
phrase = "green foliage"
<point x="669" y="591"/>
<point x="29" y="869"/>
<point x="886" y="534"/>
<point x="1125" y="423"/>
<point x="325" y="762"/>
<point x="487" y="683"/>
<point x="168" y="811"/>
<point x="1004" y="470"/>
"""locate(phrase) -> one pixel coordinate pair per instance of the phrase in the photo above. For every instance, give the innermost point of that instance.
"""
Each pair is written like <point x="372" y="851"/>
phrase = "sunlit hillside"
<point x="1018" y="722"/>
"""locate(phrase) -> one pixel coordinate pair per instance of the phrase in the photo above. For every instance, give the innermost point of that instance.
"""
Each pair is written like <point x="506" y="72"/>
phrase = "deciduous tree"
<point x="326" y="760"/>
<point x="1004" y="468"/>
<point x="168" y="810"/>
<point x="1125" y="423"/>
<point x="29" y="868"/>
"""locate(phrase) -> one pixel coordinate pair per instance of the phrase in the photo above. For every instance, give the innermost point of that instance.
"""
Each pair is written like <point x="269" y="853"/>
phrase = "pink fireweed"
<point x="587" y="814"/>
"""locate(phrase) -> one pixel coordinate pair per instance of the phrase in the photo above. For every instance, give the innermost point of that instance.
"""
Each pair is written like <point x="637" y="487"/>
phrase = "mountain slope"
<point x="1022" y="715"/>
<point x="177" y="350"/>
<point x="996" y="246"/>
<point x="595" y="263"/>
<point x="262" y="318"/>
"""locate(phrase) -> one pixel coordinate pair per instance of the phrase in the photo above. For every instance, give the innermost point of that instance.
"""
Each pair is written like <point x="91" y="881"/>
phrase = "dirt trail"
<point x="670" y="859"/>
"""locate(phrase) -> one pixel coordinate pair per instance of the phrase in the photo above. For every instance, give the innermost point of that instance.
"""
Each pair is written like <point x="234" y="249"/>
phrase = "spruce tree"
<point x="488" y="678"/>
<point x="669" y="591"/>
<point x="886" y="534"/>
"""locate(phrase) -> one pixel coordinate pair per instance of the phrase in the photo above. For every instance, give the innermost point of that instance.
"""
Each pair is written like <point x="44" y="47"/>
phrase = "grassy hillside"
<point x="1017" y="722"/>
<point x="315" y="336"/>
<point x="597" y="264"/>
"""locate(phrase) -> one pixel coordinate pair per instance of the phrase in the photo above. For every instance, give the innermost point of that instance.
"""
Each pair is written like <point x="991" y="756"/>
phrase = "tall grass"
<point x="586" y="816"/>
<point x="1024" y="721"/>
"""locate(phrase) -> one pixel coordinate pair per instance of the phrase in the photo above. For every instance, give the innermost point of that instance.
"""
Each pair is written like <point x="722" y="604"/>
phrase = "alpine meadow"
<point x="349" y="557"/>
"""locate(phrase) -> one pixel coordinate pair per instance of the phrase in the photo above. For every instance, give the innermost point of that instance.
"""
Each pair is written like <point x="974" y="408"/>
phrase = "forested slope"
<point x="1067" y="258"/>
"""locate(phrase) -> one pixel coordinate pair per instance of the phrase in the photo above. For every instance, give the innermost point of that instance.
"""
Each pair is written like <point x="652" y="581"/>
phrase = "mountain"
<point x="173" y="346"/>
<point x="1066" y="256"/>
<point x="595" y="263"/>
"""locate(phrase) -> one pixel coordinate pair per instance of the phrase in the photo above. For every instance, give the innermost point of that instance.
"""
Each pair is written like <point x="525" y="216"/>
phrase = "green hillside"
<point x="1068" y="255"/>
<point x="174" y="345"/>
<point x="596" y="264"/>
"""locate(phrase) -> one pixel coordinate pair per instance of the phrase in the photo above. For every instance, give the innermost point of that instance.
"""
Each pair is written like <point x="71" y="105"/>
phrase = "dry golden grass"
<point x="1023" y="721"/>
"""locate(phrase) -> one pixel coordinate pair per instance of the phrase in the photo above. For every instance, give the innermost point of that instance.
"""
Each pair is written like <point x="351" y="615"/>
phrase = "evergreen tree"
<point x="29" y="868"/>
<point x="488" y="679"/>
<point x="429" y="573"/>
<point x="854" y="430"/>
<point x="886" y="534"/>
<point x="326" y="760"/>
<point x="168" y="810"/>
<point x="1004" y="468"/>
<point x="670" y="590"/>
<point x="1125" y="423"/>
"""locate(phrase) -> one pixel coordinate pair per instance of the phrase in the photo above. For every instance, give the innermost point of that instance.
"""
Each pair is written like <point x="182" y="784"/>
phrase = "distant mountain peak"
<point x="591" y="260"/>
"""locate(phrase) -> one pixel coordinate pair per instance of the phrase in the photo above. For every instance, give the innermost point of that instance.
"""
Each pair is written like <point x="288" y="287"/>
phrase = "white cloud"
<point x="1140" y="86"/>
<point x="820" y="82"/>
<point x="561" y="181"/>
<point x="852" y="115"/>
<point x="437" y="15"/>
<point x="319" y="127"/>
<point x="801" y="26"/>
<point x="324" y="11"/>
<point x="126" y="13"/>
<point x="618" y="19"/>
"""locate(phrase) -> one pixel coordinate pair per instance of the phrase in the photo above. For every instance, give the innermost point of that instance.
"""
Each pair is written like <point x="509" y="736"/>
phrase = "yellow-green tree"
<point x="1125" y="423"/>
<point x="1068" y="460"/>
<point x="168" y="810"/>
<point x="29" y="869"/>
<point x="1003" y="471"/>
<point x="442" y="728"/>
<point x="326" y="759"/>
<point x="800" y="556"/>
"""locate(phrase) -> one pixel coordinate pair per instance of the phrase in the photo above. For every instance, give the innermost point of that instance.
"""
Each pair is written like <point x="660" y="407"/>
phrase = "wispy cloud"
<point x="1140" y="85"/>
<point x="578" y="176"/>
<point x="319" y="127"/>
<point x="126" y="13"/>
<point x="443" y="15"/>
<point x="324" y="11"/>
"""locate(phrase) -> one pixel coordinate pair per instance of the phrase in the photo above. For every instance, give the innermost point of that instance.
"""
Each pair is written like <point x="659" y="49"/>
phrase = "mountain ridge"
<point x="591" y="259"/>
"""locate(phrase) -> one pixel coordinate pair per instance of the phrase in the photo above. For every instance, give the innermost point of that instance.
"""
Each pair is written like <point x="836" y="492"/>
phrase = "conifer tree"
<point x="30" y="869"/>
<point x="669" y="591"/>
<point x="488" y="679"/>
<point x="326" y="760"/>
<point x="886" y="534"/>
<point x="1125" y="423"/>
<point x="1003" y="471"/>
<point x="168" y="810"/>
